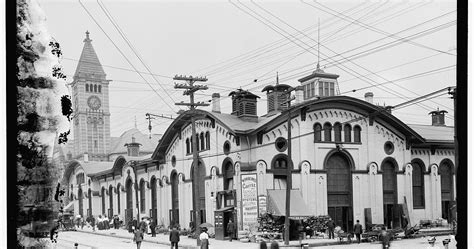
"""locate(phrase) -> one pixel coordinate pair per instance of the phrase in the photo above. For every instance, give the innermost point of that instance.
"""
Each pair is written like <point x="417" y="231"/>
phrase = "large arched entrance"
<point x="129" y="203"/>
<point x="339" y="190"/>
<point x="154" y="210"/>
<point x="80" y="196"/>
<point x="174" y="212"/>
<point x="89" y="195"/>
<point x="391" y="212"/>
<point x="446" y="171"/>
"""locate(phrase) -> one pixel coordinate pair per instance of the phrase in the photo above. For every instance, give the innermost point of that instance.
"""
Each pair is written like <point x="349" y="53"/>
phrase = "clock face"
<point x="93" y="102"/>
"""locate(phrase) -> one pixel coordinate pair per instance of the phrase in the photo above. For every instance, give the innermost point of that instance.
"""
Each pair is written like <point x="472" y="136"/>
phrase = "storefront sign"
<point x="262" y="204"/>
<point x="249" y="200"/>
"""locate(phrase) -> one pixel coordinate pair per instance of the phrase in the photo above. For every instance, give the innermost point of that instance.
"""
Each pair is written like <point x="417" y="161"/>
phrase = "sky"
<point x="399" y="50"/>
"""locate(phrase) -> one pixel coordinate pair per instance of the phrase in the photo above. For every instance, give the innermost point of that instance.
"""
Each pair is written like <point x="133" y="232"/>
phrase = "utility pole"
<point x="289" y="167"/>
<point x="149" y="117"/>
<point x="190" y="88"/>
<point x="456" y="145"/>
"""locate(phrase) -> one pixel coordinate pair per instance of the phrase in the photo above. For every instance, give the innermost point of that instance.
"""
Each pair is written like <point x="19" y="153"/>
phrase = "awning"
<point x="276" y="204"/>
<point x="69" y="206"/>
<point x="224" y="209"/>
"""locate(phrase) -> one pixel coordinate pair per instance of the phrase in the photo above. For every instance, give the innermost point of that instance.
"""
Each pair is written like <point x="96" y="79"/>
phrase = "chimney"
<point x="369" y="97"/>
<point x="86" y="157"/>
<point x="437" y="117"/>
<point x="216" y="102"/>
<point x="133" y="148"/>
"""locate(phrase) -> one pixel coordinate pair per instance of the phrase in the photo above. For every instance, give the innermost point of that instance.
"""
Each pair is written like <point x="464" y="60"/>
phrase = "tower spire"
<point x="277" y="79"/>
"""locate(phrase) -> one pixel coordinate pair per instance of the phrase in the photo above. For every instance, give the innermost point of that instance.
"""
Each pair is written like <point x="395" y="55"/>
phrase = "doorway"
<point x="390" y="207"/>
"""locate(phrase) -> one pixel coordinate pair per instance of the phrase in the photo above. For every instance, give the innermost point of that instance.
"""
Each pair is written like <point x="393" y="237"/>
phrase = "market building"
<point x="351" y="159"/>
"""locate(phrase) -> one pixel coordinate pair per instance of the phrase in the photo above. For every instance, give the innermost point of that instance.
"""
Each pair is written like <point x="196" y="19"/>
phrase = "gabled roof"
<point x="90" y="168"/>
<point x="89" y="64"/>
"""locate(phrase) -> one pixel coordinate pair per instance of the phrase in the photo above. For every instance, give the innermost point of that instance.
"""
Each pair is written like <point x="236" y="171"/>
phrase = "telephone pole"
<point x="190" y="88"/>
<point x="150" y="116"/>
<point x="289" y="167"/>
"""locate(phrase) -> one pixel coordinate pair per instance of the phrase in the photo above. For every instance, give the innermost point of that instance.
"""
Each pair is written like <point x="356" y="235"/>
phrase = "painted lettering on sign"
<point x="249" y="200"/>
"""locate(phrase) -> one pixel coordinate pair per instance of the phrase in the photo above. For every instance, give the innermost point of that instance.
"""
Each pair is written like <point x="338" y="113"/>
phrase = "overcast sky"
<point x="399" y="50"/>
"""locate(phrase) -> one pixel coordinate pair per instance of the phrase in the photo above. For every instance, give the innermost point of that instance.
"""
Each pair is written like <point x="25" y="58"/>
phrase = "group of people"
<point x="146" y="226"/>
<point x="174" y="236"/>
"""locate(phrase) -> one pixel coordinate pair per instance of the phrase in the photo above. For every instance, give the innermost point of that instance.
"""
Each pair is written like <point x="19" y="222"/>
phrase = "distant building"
<point x="351" y="159"/>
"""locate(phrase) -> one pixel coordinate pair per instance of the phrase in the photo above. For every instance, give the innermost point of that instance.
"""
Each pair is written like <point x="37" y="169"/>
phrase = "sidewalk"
<point x="189" y="243"/>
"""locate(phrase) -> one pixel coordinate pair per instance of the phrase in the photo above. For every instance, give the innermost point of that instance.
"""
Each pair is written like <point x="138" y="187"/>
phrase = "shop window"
<point x="327" y="132"/>
<point x="317" y="132"/>
<point x="357" y="134"/>
<point x="418" y="185"/>
<point x="337" y="132"/>
<point x="347" y="133"/>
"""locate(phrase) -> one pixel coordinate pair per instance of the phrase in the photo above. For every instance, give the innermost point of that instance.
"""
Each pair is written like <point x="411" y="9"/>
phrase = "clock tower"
<point x="90" y="97"/>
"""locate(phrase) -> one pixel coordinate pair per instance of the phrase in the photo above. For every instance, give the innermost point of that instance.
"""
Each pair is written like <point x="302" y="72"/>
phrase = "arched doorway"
<point x="103" y="200"/>
<point x="119" y="186"/>
<point x="154" y="210"/>
<point x="391" y="211"/>
<point x="446" y="171"/>
<point x="111" y="201"/>
<point x="174" y="212"/>
<point x="81" y="202"/>
<point x="339" y="190"/>
<point x="129" y="203"/>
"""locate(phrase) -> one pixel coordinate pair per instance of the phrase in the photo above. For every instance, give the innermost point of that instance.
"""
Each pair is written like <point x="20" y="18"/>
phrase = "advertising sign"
<point x="262" y="204"/>
<point x="249" y="200"/>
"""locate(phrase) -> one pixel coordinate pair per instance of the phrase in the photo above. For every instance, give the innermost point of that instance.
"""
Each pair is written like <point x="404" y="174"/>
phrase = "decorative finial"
<point x="87" y="36"/>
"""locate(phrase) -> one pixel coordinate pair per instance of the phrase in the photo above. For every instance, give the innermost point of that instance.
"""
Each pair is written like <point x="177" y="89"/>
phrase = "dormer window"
<point x="308" y="90"/>
<point x="326" y="88"/>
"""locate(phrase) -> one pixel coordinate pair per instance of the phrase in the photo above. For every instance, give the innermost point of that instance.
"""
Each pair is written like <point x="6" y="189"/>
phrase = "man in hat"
<point x="230" y="229"/>
<point x="358" y="231"/>
<point x="330" y="224"/>
<point x="174" y="238"/>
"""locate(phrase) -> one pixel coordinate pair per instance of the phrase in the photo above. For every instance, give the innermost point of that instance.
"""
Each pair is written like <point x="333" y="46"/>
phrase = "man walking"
<point x="174" y="238"/>
<point x="358" y="231"/>
<point x="143" y="225"/>
<point x="138" y="237"/>
<point x="230" y="230"/>
<point x="330" y="224"/>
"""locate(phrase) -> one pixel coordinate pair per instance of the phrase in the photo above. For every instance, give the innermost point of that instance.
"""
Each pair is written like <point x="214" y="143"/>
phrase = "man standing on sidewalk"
<point x="358" y="231"/>
<point x="174" y="238"/>
<point x="230" y="230"/>
<point x="330" y="224"/>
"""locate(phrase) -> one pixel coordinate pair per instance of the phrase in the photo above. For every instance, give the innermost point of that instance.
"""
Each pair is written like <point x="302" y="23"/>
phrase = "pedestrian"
<point x="116" y="222"/>
<point x="82" y="223"/>
<point x="385" y="237"/>
<point x="135" y="223"/>
<point x="432" y="243"/>
<point x="274" y="245"/>
<point x="92" y="223"/>
<point x="358" y="231"/>
<point x="142" y="225"/>
<point x="153" y="228"/>
<point x="330" y="224"/>
<point x="263" y="245"/>
<point x="174" y="238"/>
<point x="138" y="237"/>
<point x="231" y="230"/>
<point x="204" y="238"/>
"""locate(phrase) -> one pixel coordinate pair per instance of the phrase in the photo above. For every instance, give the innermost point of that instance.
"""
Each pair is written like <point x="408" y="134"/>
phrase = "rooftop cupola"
<point x="277" y="97"/>
<point x="133" y="148"/>
<point x="437" y="117"/>
<point x="319" y="84"/>
<point x="244" y="104"/>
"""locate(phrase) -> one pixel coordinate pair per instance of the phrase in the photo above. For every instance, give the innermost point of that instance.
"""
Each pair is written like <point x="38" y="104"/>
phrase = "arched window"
<point x="228" y="176"/>
<point x="142" y="196"/>
<point x="103" y="200"/>
<point x="100" y="88"/>
<point x="357" y="134"/>
<point x="327" y="132"/>
<point x="418" y="185"/>
<point x="317" y="132"/>
<point x="347" y="133"/>
<point x="87" y="87"/>
<point x="202" y="141"/>
<point x="95" y="88"/>
<point x="337" y="132"/>
<point x="187" y="146"/>
<point x="208" y="141"/>
<point x="111" y="201"/>
<point x="118" y="198"/>
<point x="279" y="166"/>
